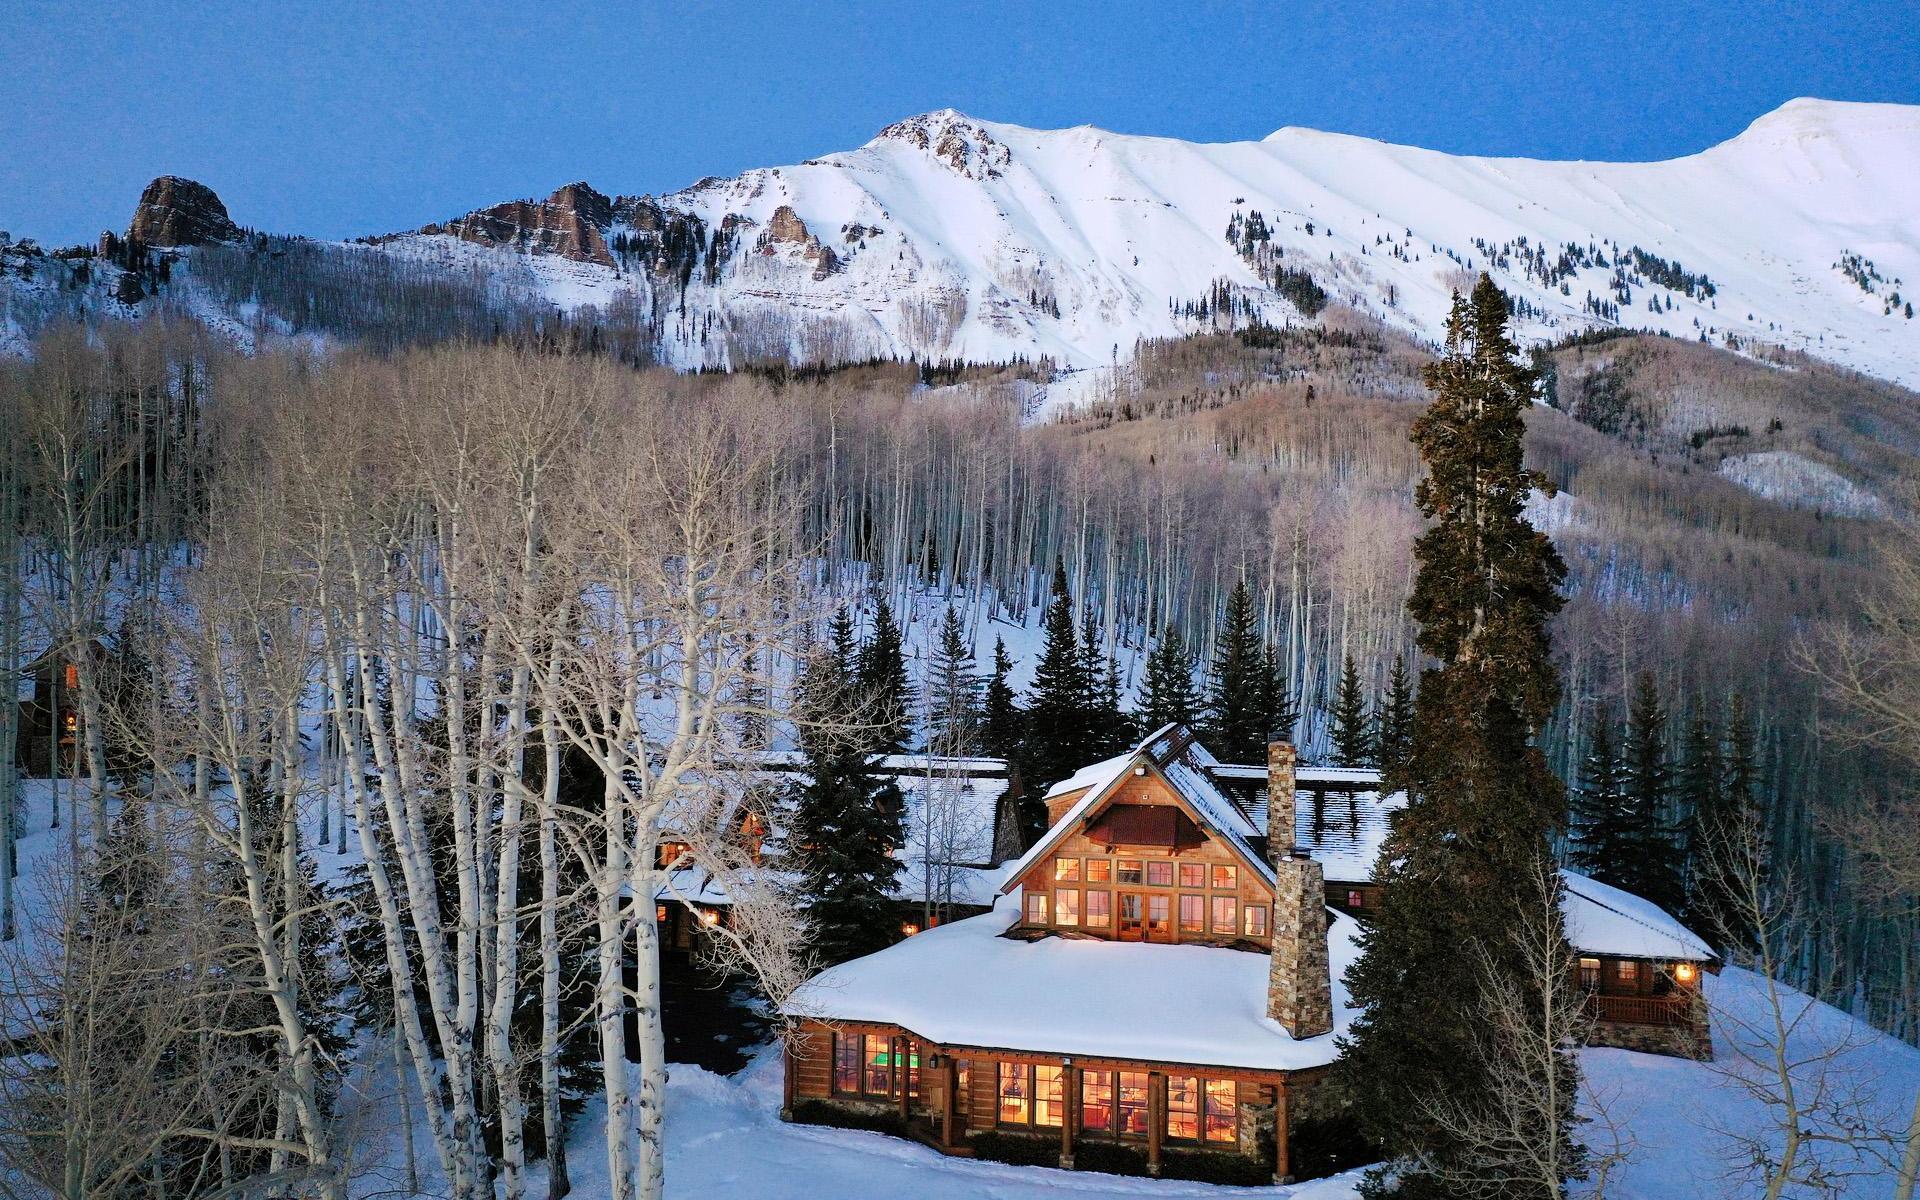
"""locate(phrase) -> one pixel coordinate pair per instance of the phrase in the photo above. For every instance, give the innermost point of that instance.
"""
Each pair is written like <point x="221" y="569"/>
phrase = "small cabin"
<point x="50" y="715"/>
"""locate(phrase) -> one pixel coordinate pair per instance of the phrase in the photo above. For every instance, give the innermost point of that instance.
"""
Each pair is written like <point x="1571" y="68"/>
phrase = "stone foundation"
<point x="1674" y="1041"/>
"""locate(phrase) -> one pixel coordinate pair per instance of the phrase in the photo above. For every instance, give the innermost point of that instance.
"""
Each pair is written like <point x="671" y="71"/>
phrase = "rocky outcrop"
<point x="957" y="140"/>
<point x="787" y="226"/>
<point x="787" y="229"/>
<point x="179" y="212"/>
<point x="571" y="223"/>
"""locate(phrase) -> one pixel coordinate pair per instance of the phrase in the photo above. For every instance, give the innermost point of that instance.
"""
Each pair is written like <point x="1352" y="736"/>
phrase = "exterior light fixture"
<point x="1684" y="972"/>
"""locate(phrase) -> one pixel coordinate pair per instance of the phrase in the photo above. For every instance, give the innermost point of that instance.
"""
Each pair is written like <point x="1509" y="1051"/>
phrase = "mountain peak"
<point x="964" y="144"/>
<point x="180" y="212"/>
<point x="1808" y="118"/>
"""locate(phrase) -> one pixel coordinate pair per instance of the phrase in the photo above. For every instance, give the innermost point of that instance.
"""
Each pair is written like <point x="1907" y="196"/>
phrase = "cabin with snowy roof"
<point x="1158" y="987"/>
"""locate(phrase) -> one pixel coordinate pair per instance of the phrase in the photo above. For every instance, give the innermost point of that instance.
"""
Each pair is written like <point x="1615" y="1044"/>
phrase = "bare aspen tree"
<point x="1531" y="1021"/>
<point x="679" y="555"/>
<point x="248" y="651"/>
<point x="1871" y="668"/>
<point x="1821" y="1121"/>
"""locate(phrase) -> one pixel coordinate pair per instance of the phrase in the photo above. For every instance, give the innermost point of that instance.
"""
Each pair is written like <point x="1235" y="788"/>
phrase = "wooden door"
<point x="1132" y="918"/>
<point x="1159" y="917"/>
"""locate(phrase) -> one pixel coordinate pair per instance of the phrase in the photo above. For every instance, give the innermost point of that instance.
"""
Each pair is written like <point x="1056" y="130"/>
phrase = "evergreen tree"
<point x="1060" y="737"/>
<point x="1393" y="727"/>
<point x="1277" y="714"/>
<point x="1600" y="841"/>
<point x="1352" y="733"/>
<point x="881" y="669"/>
<point x="1169" y="696"/>
<point x="1710" y="910"/>
<point x="1697" y="788"/>
<point x="1002" y="721"/>
<point x="1482" y="802"/>
<point x="953" y="691"/>
<point x="844" y="823"/>
<point x="1653" y="849"/>
<point x="1242" y="691"/>
<point x="1110" y="728"/>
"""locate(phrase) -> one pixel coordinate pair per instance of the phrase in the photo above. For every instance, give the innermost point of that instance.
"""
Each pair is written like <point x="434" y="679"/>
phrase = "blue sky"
<point x="343" y="118"/>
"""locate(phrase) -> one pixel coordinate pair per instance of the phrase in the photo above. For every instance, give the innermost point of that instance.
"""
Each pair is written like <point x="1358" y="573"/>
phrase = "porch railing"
<point x="1642" y="1010"/>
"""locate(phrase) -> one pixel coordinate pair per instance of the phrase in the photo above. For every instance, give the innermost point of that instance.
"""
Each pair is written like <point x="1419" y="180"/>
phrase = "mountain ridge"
<point x="947" y="236"/>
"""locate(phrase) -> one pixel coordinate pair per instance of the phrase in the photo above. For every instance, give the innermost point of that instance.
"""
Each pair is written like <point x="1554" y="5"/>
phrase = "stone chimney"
<point x="1299" y="980"/>
<point x="1281" y="757"/>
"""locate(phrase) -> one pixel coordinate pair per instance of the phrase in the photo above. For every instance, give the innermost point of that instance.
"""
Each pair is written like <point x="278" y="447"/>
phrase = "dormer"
<point x="1144" y="847"/>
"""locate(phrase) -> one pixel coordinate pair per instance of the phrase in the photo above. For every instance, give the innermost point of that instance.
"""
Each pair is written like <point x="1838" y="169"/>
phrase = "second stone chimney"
<point x="1299" y="979"/>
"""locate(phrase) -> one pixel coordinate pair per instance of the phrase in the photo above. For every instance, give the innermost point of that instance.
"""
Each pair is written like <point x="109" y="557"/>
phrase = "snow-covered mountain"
<point x="947" y="236"/>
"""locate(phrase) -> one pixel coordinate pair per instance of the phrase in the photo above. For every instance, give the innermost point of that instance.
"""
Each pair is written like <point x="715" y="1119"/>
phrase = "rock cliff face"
<point x="571" y="223"/>
<point x="180" y="212"/>
<point x="787" y="229"/>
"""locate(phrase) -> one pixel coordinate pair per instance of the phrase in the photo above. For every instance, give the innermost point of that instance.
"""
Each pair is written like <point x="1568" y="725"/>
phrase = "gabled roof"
<point x="1602" y="919"/>
<point x="1170" y="752"/>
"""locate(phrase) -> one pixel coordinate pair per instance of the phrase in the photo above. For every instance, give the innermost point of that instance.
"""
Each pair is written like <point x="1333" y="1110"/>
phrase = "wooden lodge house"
<point x="1158" y="986"/>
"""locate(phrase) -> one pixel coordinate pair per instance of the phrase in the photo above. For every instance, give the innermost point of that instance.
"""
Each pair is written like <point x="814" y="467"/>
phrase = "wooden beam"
<point x="1156" y="1119"/>
<point x="1282" y="1158"/>
<point x="1069" y="1109"/>
<point x="950" y="1102"/>
<point x="901" y="1076"/>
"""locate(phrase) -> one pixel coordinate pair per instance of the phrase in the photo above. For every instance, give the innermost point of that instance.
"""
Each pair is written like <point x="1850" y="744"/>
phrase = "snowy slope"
<point x="958" y="237"/>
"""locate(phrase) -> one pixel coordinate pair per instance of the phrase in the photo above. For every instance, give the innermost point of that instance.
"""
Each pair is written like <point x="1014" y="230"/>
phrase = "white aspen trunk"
<point x="610" y="995"/>
<point x="277" y="979"/>
<point x="506" y="953"/>
<point x="399" y="966"/>
<point x="652" y="1100"/>
<point x="558" y="1184"/>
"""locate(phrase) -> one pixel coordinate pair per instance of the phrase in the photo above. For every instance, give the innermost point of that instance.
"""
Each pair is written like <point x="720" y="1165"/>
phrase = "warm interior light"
<point x="709" y="916"/>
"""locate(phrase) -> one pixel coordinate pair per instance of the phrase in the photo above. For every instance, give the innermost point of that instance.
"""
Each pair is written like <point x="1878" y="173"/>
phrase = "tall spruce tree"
<point x="1353" y="743"/>
<point x="1711" y="910"/>
<point x="1696" y="793"/>
<point x="1393" y="727"/>
<point x="1169" y="696"/>
<point x="1111" y="727"/>
<point x="1060" y="735"/>
<point x="1240" y="688"/>
<point x="1601" y="840"/>
<point x="882" y="672"/>
<point x="1277" y="714"/>
<point x="1482" y="802"/>
<point x="845" y="823"/>
<point x="1653" y="842"/>
<point x="1001" y="717"/>
<point x="953" y="714"/>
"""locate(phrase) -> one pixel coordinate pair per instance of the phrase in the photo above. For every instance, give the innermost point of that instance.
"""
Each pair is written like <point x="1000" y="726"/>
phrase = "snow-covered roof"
<point x="1602" y="919"/>
<point x="1345" y="832"/>
<point x="886" y="764"/>
<point x="1172" y="751"/>
<point x="962" y="984"/>
<point x="1096" y="776"/>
